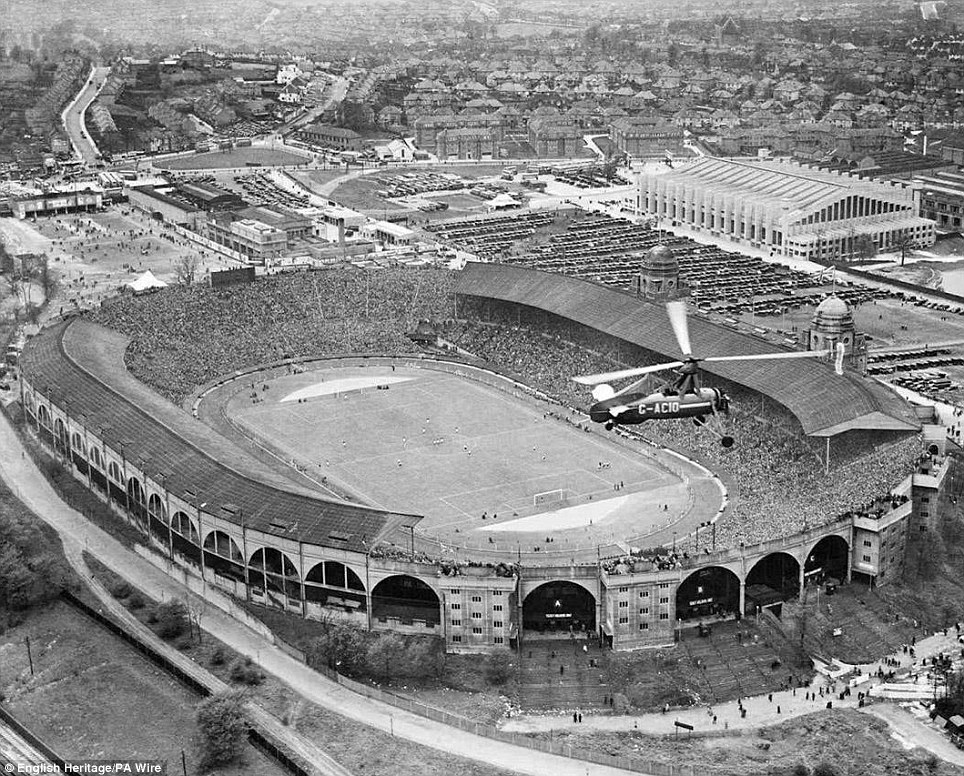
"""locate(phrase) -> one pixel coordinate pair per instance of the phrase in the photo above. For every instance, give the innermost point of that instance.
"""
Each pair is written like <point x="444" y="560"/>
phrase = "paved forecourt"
<point x="453" y="449"/>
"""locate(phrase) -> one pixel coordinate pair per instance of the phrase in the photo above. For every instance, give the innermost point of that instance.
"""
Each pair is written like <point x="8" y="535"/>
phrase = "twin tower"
<point x="659" y="281"/>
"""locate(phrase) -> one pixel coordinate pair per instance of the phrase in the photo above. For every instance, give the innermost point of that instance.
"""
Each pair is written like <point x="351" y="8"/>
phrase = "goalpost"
<point x="550" y="497"/>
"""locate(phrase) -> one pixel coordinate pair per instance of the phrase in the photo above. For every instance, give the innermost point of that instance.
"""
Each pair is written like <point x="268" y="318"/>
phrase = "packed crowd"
<point x="446" y="566"/>
<point x="781" y="487"/>
<point x="189" y="335"/>
<point x="186" y="336"/>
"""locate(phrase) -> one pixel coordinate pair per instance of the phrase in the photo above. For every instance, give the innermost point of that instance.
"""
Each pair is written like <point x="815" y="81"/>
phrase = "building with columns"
<point x="783" y="207"/>
<point x="833" y="324"/>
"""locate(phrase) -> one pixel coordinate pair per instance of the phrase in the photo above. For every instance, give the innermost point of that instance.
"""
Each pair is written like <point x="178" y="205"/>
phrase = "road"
<point x="337" y="92"/>
<point x="73" y="116"/>
<point x="77" y="533"/>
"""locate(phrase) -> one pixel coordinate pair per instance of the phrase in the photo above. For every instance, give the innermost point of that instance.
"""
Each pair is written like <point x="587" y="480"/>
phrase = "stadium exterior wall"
<point x="273" y="570"/>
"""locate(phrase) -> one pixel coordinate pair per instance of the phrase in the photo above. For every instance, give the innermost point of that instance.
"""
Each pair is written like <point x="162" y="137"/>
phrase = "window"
<point x="457" y="623"/>
<point x="456" y="639"/>
<point x="497" y="608"/>
<point x="497" y="593"/>
<point x="664" y="616"/>
<point x="644" y="594"/>
<point x="868" y="543"/>
<point x="663" y="585"/>
<point x="623" y="620"/>
<point x="644" y="626"/>
<point x="476" y="599"/>
<point x="497" y="623"/>
<point x="497" y="640"/>
<point x="866" y="559"/>
<point x="456" y="606"/>
<point x="476" y="631"/>
<point x="623" y="589"/>
<point x="664" y="600"/>
<point x="455" y="591"/>
<point x="476" y="615"/>
<point x="644" y="610"/>
<point x="925" y="499"/>
<point x="623" y="604"/>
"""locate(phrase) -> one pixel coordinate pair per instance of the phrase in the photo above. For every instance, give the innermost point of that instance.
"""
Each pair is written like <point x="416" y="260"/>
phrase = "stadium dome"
<point x="660" y="258"/>
<point x="833" y="316"/>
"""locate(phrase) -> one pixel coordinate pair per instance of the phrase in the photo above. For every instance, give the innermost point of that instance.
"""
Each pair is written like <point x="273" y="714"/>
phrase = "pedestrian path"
<point x="29" y="485"/>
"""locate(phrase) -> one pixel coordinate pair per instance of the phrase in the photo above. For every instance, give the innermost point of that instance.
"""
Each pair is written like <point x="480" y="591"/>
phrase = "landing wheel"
<point x="727" y="442"/>
<point x="699" y="421"/>
<point x="609" y="426"/>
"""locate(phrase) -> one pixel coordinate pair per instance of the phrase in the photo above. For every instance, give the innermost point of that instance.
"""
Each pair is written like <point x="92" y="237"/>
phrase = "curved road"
<point x="73" y="116"/>
<point x="77" y="533"/>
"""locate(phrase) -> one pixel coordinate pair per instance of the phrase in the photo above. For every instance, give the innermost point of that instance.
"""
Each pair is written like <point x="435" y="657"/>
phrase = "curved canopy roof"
<point x="80" y="366"/>
<point x="825" y="403"/>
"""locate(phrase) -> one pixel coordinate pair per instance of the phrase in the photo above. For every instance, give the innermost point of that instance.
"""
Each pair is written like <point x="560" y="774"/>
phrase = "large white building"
<point x="785" y="207"/>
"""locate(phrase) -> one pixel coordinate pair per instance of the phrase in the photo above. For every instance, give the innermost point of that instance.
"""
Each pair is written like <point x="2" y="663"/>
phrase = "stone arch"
<point x="77" y="444"/>
<point x="707" y="591"/>
<point x="115" y="486"/>
<point x="773" y="579"/>
<point x="559" y="605"/>
<point x="114" y="472"/>
<point x="61" y="438"/>
<point x="223" y="555"/>
<point x="405" y="598"/>
<point x="185" y="540"/>
<point x="43" y="416"/>
<point x="332" y="583"/>
<point x="272" y="570"/>
<point x="157" y="515"/>
<point x="96" y="469"/>
<point x="137" y="500"/>
<point x="29" y="404"/>
<point x="829" y="558"/>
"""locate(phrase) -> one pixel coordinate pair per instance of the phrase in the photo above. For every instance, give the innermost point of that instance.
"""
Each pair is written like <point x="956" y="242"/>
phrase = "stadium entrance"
<point x="708" y="592"/>
<point x="829" y="559"/>
<point x="558" y="607"/>
<point x="406" y="599"/>
<point x="775" y="578"/>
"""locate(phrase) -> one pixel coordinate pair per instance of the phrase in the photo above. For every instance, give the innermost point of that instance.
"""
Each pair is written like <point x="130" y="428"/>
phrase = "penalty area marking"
<point x="579" y="516"/>
<point x="342" y="385"/>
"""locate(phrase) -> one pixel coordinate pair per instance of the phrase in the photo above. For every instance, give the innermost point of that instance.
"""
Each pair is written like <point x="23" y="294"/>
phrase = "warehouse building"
<point x="785" y="207"/>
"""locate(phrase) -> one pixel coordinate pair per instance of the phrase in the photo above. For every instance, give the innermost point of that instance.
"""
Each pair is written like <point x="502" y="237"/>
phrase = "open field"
<point x="452" y="449"/>
<point x="93" y="696"/>
<point x="93" y="254"/>
<point x="233" y="157"/>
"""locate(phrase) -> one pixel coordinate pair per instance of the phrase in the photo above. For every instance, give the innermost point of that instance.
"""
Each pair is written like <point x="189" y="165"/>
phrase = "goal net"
<point x="550" y="497"/>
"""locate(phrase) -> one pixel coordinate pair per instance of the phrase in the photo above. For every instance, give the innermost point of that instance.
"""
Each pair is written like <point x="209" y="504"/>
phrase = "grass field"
<point x="92" y="696"/>
<point x="233" y="157"/>
<point x="452" y="449"/>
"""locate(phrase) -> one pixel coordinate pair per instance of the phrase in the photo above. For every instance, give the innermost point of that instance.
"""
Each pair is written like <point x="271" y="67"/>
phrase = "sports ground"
<point x="454" y="449"/>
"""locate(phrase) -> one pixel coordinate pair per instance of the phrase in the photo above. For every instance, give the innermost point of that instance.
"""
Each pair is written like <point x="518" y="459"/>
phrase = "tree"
<point x="341" y="647"/>
<point x="904" y="242"/>
<point x="384" y="654"/>
<point x="172" y="619"/>
<point x="864" y="247"/>
<point x="185" y="269"/>
<point x="222" y="727"/>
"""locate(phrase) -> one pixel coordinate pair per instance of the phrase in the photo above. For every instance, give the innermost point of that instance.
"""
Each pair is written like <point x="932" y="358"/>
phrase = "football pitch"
<point x="468" y="457"/>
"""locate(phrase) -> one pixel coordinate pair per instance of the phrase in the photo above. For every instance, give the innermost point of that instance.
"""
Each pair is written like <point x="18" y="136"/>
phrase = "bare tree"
<point x="185" y="269"/>
<point x="903" y="243"/>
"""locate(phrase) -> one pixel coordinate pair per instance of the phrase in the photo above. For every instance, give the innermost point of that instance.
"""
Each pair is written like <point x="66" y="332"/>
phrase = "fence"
<point x="27" y="735"/>
<point x="258" y="735"/>
<point x="635" y="764"/>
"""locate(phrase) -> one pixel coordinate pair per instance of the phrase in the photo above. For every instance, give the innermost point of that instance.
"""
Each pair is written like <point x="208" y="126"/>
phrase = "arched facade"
<point x="474" y="612"/>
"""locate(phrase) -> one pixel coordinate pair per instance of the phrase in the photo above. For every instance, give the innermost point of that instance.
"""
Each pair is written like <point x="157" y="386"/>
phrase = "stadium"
<point x="405" y="449"/>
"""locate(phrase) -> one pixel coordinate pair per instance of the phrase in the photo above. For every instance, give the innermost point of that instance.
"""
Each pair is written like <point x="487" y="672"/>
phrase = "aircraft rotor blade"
<point x="677" y="319"/>
<point x="607" y="377"/>
<point x="772" y="356"/>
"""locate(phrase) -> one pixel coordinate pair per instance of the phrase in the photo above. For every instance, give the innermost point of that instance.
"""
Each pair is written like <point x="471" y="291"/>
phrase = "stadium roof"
<point x="825" y="403"/>
<point x="80" y="365"/>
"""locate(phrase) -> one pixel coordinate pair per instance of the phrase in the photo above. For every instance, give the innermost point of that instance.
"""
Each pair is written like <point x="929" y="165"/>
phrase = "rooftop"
<point x="825" y="403"/>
